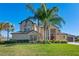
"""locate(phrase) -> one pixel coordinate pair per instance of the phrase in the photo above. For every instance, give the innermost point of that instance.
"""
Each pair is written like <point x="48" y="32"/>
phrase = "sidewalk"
<point x="75" y="43"/>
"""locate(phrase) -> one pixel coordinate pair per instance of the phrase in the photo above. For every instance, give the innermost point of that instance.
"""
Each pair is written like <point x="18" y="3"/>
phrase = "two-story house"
<point x="29" y="31"/>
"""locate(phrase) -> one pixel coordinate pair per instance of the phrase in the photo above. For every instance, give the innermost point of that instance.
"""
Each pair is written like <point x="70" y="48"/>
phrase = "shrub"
<point x="43" y="41"/>
<point x="64" y="41"/>
<point x="2" y="42"/>
<point x="51" y="41"/>
<point x="22" y="41"/>
<point x="47" y="42"/>
<point x="77" y="40"/>
<point x="10" y="42"/>
<point x="58" y="41"/>
<point x="38" y="41"/>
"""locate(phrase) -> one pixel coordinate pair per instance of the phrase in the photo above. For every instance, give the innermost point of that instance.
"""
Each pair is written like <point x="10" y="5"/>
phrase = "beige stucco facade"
<point x="29" y="31"/>
<point x="20" y="36"/>
<point x="25" y="36"/>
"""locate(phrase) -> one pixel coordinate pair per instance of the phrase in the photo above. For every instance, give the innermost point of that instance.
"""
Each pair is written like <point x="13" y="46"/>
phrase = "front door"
<point x="52" y="37"/>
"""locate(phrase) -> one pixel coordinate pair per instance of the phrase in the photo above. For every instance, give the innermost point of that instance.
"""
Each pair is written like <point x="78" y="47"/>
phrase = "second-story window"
<point x="27" y="29"/>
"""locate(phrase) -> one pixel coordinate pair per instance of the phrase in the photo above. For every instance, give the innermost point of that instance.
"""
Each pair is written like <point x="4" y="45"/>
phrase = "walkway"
<point x="75" y="43"/>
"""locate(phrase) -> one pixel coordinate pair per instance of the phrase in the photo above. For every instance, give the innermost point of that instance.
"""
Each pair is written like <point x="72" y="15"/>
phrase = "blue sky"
<point x="15" y="13"/>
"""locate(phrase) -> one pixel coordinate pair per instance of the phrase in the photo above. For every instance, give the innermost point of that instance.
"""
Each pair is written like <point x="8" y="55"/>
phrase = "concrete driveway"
<point x="75" y="43"/>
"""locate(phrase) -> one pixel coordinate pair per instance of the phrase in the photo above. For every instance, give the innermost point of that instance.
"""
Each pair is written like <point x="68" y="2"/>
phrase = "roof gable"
<point x="26" y="20"/>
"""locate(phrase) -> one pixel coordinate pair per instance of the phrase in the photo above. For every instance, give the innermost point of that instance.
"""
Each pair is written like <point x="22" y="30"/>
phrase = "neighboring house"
<point x="77" y="37"/>
<point x="69" y="37"/>
<point x="29" y="31"/>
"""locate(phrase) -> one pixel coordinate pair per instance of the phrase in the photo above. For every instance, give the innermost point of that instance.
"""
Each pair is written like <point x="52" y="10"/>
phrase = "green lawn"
<point x="40" y="50"/>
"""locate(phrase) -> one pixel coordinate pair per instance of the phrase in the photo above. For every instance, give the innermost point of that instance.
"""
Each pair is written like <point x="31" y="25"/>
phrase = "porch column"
<point x="73" y="39"/>
<point x="49" y="34"/>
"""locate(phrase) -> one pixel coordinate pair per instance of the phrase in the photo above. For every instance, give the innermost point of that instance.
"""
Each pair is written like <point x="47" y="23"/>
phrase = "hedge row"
<point x="58" y="41"/>
<point x="53" y="41"/>
<point x="77" y="40"/>
<point x="27" y="41"/>
<point x="14" y="41"/>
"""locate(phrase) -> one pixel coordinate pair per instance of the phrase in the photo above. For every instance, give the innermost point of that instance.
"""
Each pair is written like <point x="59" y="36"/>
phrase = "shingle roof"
<point x="68" y="34"/>
<point x="23" y="32"/>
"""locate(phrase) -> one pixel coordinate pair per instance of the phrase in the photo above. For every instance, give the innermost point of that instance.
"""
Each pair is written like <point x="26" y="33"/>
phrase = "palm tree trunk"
<point x="38" y="30"/>
<point x="0" y="35"/>
<point x="7" y="35"/>
<point x="49" y="33"/>
<point x="0" y="32"/>
<point x="45" y="33"/>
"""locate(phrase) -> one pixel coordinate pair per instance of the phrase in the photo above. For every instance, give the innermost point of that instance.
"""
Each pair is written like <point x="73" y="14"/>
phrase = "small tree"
<point x="1" y="28"/>
<point x="8" y="27"/>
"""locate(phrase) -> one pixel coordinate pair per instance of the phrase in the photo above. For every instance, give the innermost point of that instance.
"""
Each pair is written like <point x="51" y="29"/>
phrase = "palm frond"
<point x="44" y="8"/>
<point x="52" y="11"/>
<point x="31" y="8"/>
<point x="56" y="20"/>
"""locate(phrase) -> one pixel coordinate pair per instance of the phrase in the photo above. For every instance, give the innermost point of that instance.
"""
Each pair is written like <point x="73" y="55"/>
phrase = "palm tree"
<point x="1" y="28"/>
<point x="11" y="29"/>
<point x="8" y="27"/>
<point x="46" y="16"/>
